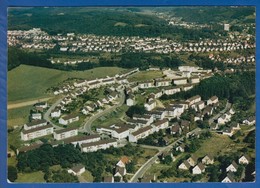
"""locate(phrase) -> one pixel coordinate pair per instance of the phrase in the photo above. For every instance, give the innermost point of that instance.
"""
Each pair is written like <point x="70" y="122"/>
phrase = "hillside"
<point x="30" y="82"/>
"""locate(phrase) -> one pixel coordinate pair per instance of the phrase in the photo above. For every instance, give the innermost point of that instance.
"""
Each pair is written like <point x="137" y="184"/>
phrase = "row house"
<point x="65" y="120"/>
<point x="141" y="133"/>
<point x="198" y="106"/>
<point x="81" y="83"/>
<point x="34" y="124"/>
<point x="139" y="123"/>
<point x="146" y="84"/>
<point x="101" y="144"/>
<point x="171" y="90"/>
<point x="36" y="132"/>
<point x="212" y="100"/>
<point x="148" y="118"/>
<point x="157" y="114"/>
<point x="162" y="82"/>
<point x="118" y="132"/>
<point x="187" y="87"/>
<point x="194" y="80"/>
<point x="65" y="133"/>
<point x="81" y="139"/>
<point x="180" y="81"/>
<point x="161" y="124"/>
<point x="193" y="100"/>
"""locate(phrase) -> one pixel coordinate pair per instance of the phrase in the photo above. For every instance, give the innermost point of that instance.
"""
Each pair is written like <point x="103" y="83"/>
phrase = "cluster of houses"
<point x="233" y="167"/>
<point x="93" y="43"/>
<point x="196" y="166"/>
<point x="85" y="85"/>
<point x="234" y="60"/>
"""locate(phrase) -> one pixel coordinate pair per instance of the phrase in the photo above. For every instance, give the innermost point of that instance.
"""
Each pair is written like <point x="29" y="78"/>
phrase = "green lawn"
<point x="214" y="146"/>
<point x="18" y="116"/>
<point x="145" y="75"/>
<point x="87" y="176"/>
<point x="111" y="118"/>
<point x="33" y="177"/>
<point x="29" y="82"/>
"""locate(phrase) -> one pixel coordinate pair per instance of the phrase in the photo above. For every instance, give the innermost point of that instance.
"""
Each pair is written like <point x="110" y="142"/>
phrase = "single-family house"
<point x="77" y="170"/>
<point x="198" y="169"/>
<point x="232" y="167"/>
<point x="229" y="178"/>
<point x="244" y="159"/>
<point x="207" y="160"/>
<point x="184" y="165"/>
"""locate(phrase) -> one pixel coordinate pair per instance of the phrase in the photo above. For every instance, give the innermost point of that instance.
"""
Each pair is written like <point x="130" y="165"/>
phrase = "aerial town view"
<point x="131" y="94"/>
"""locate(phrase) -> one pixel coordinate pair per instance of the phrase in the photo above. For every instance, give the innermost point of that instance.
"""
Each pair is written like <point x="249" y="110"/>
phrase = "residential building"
<point x="65" y="120"/>
<point x="56" y="113"/>
<point x="198" y="169"/>
<point x="161" y="124"/>
<point x="192" y="160"/>
<point x="150" y="105"/>
<point x="232" y="167"/>
<point x="146" y="84"/>
<point x="212" y="100"/>
<point x="244" y="159"/>
<point x="229" y="178"/>
<point x="249" y="121"/>
<point x="141" y="133"/>
<point x="207" y="160"/>
<point x="101" y="144"/>
<point x="34" y="124"/>
<point x="184" y="165"/>
<point x="65" y="133"/>
<point x="36" y="132"/>
<point x="180" y="81"/>
<point x="77" y="170"/>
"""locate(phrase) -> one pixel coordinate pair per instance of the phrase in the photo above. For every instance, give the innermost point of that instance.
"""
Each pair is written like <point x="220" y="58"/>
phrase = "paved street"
<point x="227" y="107"/>
<point x="88" y="123"/>
<point x="141" y="171"/>
<point x="47" y="114"/>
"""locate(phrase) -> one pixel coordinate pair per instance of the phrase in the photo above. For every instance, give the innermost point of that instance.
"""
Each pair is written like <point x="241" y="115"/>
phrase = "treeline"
<point x="17" y="57"/>
<point x="43" y="158"/>
<point x="140" y="60"/>
<point x="105" y="22"/>
<point x="232" y="87"/>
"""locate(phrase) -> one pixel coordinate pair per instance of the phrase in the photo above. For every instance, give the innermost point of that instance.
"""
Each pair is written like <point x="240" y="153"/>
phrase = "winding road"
<point x="228" y="106"/>
<point x="46" y="116"/>
<point x="141" y="171"/>
<point x="88" y="123"/>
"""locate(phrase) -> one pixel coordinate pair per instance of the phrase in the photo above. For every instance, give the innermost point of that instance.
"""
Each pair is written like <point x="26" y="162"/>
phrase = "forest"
<point x="237" y="86"/>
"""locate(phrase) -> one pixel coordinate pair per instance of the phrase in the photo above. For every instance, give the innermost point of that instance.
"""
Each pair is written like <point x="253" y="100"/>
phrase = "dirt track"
<point x="26" y="103"/>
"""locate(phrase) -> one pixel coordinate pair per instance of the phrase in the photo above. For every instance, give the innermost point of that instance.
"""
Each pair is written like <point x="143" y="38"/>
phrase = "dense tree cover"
<point x="213" y="172"/>
<point x="233" y="87"/>
<point x="12" y="173"/>
<point x="68" y="155"/>
<point x="155" y="139"/>
<point x="136" y="109"/>
<point x="126" y="60"/>
<point x="217" y="14"/>
<point x="111" y="21"/>
<point x="17" y="57"/>
<point x="46" y="155"/>
<point x="60" y="176"/>
<point x="250" y="138"/>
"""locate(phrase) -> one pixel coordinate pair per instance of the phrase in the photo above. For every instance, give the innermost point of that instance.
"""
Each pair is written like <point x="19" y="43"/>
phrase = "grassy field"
<point x="111" y="118"/>
<point x="29" y="82"/>
<point x="18" y="116"/>
<point x="145" y="75"/>
<point x="214" y="146"/>
<point x="87" y="176"/>
<point x="33" y="177"/>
